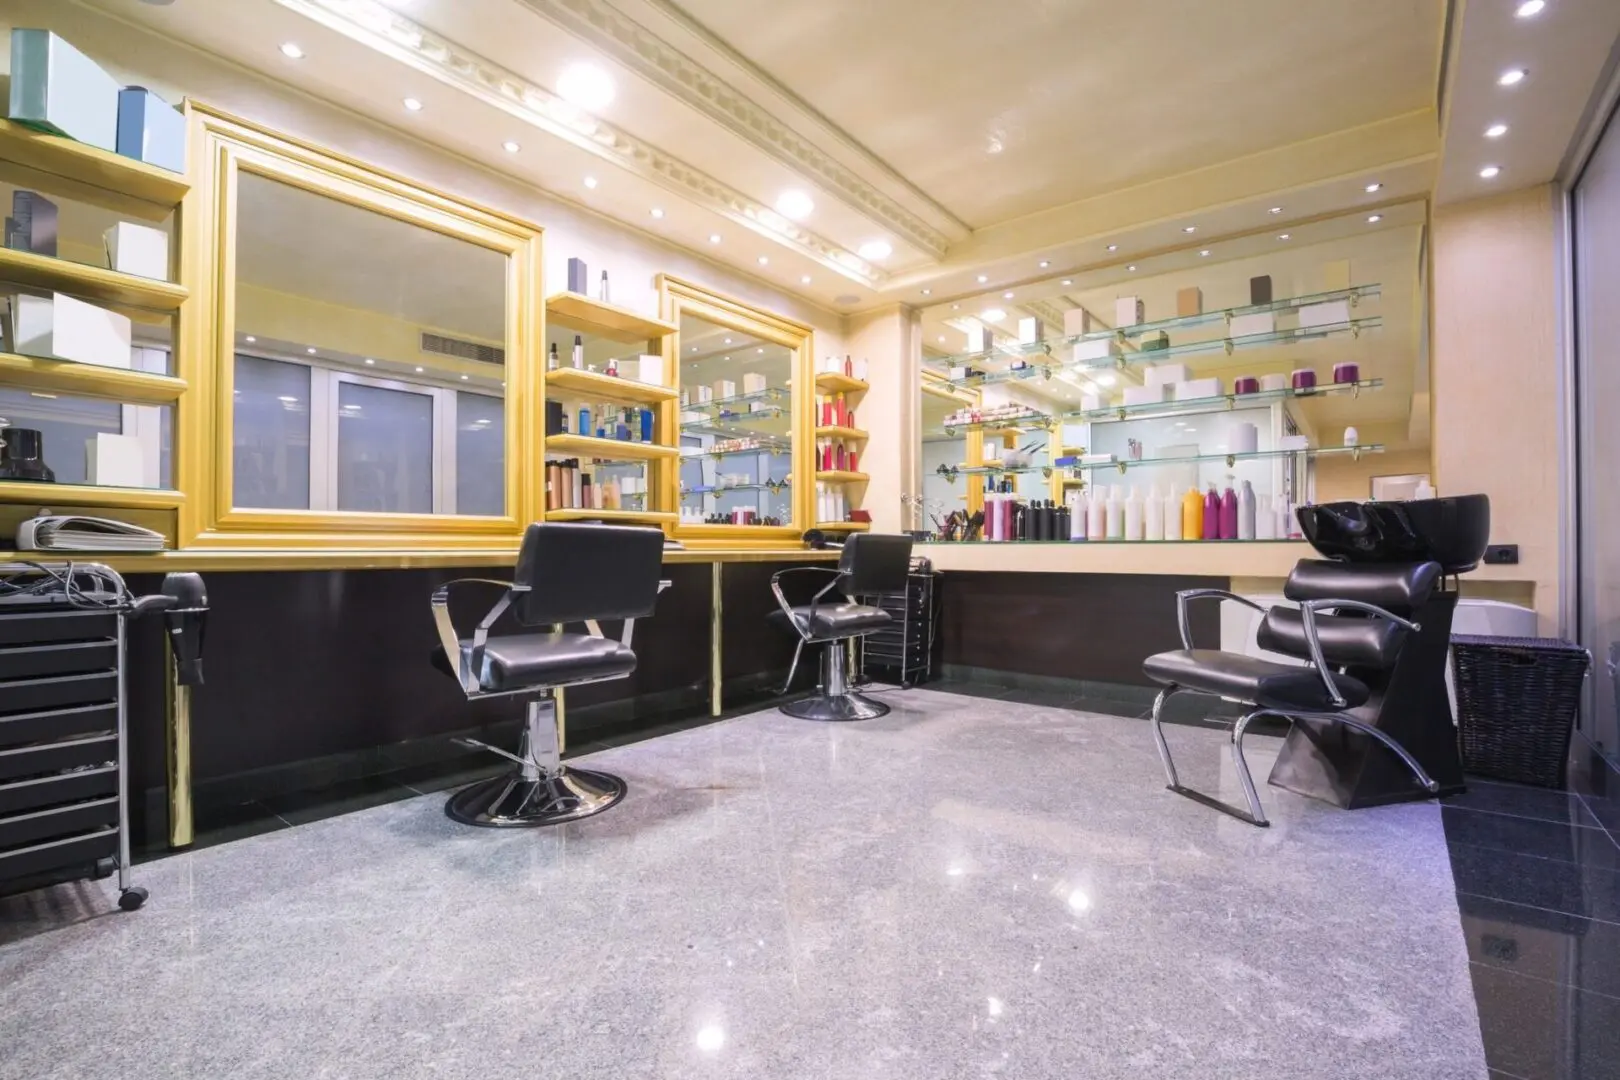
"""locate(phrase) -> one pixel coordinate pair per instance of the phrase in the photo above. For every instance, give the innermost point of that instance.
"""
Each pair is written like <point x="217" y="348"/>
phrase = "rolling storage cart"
<point x="906" y="646"/>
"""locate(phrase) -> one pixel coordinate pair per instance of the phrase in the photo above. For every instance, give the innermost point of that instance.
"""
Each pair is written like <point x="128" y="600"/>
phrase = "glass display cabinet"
<point x="743" y="417"/>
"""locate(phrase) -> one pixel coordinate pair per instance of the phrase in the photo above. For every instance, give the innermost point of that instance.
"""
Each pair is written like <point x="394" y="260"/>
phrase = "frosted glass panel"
<point x="384" y="450"/>
<point x="270" y="435"/>
<point x="480" y="446"/>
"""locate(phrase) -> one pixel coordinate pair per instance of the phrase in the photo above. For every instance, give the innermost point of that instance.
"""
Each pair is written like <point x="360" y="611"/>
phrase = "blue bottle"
<point x="646" y="425"/>
<point x="584" y="420"/>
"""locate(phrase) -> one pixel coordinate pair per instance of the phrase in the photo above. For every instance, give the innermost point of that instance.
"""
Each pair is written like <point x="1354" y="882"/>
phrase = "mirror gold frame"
<point x="678" y="297"/>
<point x="223" y="147"/>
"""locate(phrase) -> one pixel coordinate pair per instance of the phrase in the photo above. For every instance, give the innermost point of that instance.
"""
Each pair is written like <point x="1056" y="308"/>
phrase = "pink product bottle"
<point x="1212" y="514"/>
<point x="1229" y="514"/>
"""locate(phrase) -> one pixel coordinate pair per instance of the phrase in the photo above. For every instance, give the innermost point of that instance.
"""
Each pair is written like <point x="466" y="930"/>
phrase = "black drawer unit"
<point x="63" y="792"/>
<point x="904" y="649"/>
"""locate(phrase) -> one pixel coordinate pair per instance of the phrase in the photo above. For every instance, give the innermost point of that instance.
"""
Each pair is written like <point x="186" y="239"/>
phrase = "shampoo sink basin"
<point x="1452" y="532"/>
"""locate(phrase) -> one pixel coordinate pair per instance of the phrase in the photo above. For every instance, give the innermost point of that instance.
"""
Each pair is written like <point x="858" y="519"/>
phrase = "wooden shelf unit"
<point x="55" y="495"/>
<point x="588" y="446"/>
<point x="646" y="517"/>
<point x="73" y="170"/>
<point x="835" y="381"/>
<point x="599" y="387"/>
<point x="605" y="319"/>
<point x="842" y="477"/>
<point x="89" y="380"/>
<point x="840" y="433"/>
<point x="126" y="293"/>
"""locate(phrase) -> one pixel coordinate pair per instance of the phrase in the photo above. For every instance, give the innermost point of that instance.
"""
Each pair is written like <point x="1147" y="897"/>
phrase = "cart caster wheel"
<point x="132" y="898"/>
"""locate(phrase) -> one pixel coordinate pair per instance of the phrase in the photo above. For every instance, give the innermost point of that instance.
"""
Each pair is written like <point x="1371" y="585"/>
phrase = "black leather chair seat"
<point x="833" y="620"/>
<point x="1345" y="639"/>
<point x="514" y="661"/>
<point x="1249" y="678"/>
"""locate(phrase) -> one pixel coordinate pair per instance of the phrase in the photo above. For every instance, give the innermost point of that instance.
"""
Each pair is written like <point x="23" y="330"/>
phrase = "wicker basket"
<point x="1517" y="699"/>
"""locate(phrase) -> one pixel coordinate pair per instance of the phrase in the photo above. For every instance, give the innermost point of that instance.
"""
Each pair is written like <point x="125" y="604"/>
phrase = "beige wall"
<point x="890" y="341"/>
<point x="1495" y="376"/>
<point x="1342" y="478"/>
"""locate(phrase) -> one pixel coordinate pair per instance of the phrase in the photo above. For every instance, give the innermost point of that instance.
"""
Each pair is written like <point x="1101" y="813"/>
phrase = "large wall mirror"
<point x="744" y="417"/>
<point x="372" y="348"/>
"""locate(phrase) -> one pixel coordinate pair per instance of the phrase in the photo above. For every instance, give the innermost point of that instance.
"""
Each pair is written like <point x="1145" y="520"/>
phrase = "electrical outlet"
<point x="1502" y="554"/>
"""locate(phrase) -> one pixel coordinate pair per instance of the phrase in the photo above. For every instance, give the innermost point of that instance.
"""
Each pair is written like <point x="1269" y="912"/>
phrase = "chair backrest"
<point x="1352" y="639"/>
<point x="875" y="563"/>
<point x="1399" y="588"/>
<point x="577" y="572"/>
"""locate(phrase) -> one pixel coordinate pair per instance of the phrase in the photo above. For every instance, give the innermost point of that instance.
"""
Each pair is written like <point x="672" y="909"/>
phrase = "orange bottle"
<point x="1192" y="515"/>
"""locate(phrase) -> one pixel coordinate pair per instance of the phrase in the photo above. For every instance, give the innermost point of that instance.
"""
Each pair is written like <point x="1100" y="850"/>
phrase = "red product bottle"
<point x="849" y="366"/>
<point x="854" y="462"/>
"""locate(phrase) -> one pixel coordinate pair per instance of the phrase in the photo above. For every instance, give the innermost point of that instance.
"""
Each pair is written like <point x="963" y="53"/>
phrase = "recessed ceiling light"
<point x="590" y="181"/>
<point x="759" y="350"/>
<point x="942" y="337"/>
<point x="1068" y="281"/>
<point x="1131" y="269"/>
<point x="586" y="85"/>
<point x="419" y="371"/>
<point x="794" y="204"/>
<point x="1374" y="186"/>
<point x="510" y="147"/>
<point x="714" y="238"/>
<point x="694" y="348"/>
<point x="874" y="250"/>
<point x="291" y="50"/>
<point x="1105" y="379"/>
<point x="413" y="104"/>
<point x="1373" y="219"/>
<point x="1530" y="9"/>
<point x="251" y="339"/>
<point x="1490" y="172"/>
<point x="1007" y="296"/>
<point x="1204" y="254"/>
<point x="1189" y="228"/>
<point x="1284" y="236"/>
<point x="994" y="314"/>
<point x="1496" y="131"/>
<point x="928" y="292"/>
<point x="464" y="378"/>
<point x="983" y="279"/>
<point x="1275" y="210"/>
<point x="956" y="307"/>
<point x="1045" y="264"/>
<point x="728" y="341"/>
<point x="1511" y="77"/>
<point x="764" y="260"/>
<point x="658" y="211"/>
<point x="370" y="361"/>
<point x="310" y="350"/>
<point x="1113" y="247"/>
<point x="804" y="279"/>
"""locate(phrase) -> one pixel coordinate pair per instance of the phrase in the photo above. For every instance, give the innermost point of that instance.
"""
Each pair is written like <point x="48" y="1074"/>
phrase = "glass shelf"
<point x="767" y="446"/>
<point x="1124" y="464"/>
<point x="741" y="405"/>
<point x="1183" y="322"/>
<point x="726" y="489"/>
<point x="1163" y="408"/>
<point x="1193" y="348"/>
<point x="774" y="422"/>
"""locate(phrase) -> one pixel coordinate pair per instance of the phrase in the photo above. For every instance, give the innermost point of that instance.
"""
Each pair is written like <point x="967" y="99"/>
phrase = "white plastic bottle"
<point x="1153" y="515"/>
<point x="1265" y="518"/>
<point x="1246" y="512"/>
<point x="1078" y="506"/>
<point x="1097" y="515"/>
<point x="1115" y="514"/>
<point x="1133" y="515"/>
<point x="1172" y="514"/>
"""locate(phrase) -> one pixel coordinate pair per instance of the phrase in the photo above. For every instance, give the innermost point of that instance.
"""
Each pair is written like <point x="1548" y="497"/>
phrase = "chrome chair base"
<point x="849" y="706"/>
<point x="515" y="801"/>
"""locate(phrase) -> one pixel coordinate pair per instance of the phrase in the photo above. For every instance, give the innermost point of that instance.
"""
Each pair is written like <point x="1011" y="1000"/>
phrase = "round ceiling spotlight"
<point x="1007" y="296"/>
<point x="994" y="314"/>
<point x="586" y="86"/>
<point x="1204" y="254"/>
<point x="657" y="211"/>
<point x="1496" y="131"/>
<point x="510" y="147"/>
<point x="1373" y="219"/>
<point x="1374" y="186"/>
<point x="794" y="205"/>
<point x="764" y="260"/>
<point x="1045" y="263"/>
<point x="1285" y="236"/>
<point x="412" y="104"/>
<point x="1490" y="172"/>
<point x="1511" y="77"/>
<point x="983" y="278"/>
<point x="590" y="181"/>
<point x="714" y="238"/>
<point x="1527" y="10"/>
<point x="873" y="250"/>
<point x="291" y="50"/>
<point x="1275" y="210"/>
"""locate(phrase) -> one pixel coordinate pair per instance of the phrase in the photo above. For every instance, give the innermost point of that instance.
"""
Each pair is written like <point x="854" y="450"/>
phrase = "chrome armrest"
<point x="1357" y="605"/>
<point x="1199" y="594"/>
<point x="450" y="640"/>
<point x="1308" y="610"/>
<point x="781" y="601"/>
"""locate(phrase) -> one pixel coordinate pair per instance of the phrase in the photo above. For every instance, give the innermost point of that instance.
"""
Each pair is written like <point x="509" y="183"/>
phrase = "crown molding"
<point x="375" y="26"/>
<point x="683" y="78"/>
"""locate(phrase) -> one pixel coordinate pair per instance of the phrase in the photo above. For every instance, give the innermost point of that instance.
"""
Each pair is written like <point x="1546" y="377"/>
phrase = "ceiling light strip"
<point x="371" y="24"/>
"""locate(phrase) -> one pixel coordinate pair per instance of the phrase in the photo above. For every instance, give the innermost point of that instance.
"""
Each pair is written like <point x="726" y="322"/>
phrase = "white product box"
<point x="138" y="250"/>
<point x="1249" y="325"/>
<point x="753" y="383"/>
<point x="724" y="388"/>
<point x="56" y="87"/>
<point x="1328" y="314"/>
<point x="114" y="461"/>
<point x="1273" y="382"/>
<point x="650" y="369"/>
<point x="1128" y="311"/>
<point x="693" y="417"/>
<point x="1030" y="331"/>
<point x="1144" y="395"/>
<point x="1090" y="352"/>
<point x="1245" y="439"/>
<point x="1088" y="402"/>
<point x="1096" y="459"/>
<point x="1293" y="442"/>
<point x="980" y="338"/>
<point x="62" y="328"/>
<point x="1166" y="374"/>
<point x="705" y="394"/>
<point x="1077" y="321"/>
<point x="1194" y="389"/>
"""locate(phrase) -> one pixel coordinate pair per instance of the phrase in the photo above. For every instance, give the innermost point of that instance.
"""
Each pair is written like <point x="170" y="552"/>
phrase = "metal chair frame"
<point x="835" y="684"/>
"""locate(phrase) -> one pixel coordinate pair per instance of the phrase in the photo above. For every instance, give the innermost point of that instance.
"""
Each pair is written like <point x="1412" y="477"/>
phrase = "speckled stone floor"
<point x="966" y="887"/>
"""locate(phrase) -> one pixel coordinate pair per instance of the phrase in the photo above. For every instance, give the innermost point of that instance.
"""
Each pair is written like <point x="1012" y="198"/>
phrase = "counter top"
<point x="1245" y="558"/>
<point x="207" y="560"/>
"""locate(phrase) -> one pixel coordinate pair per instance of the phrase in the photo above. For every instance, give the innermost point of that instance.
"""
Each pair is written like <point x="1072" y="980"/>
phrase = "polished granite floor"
<point x="971" y="886"/>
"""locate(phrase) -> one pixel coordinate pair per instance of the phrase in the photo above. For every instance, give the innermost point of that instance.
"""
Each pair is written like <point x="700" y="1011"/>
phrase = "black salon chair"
<point x="1351" y="626"/>
<point x="566" y="574"/>
<point x="871" y="564"/>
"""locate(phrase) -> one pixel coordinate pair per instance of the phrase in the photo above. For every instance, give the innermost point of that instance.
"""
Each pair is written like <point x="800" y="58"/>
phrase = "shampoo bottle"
<point x="1265" y="518"/>
<point x="1192" y="515"/>
<point x="1153" y="515"/>
<point x="1077" y="515"/>
<point x="1229" y="514"/>
<point x="1172" y="514"/>
<point x="1246" y="512"/>
<point x="1212" y="514"/>
<point x="1133" y="516"/>
<point x="1116" y="514"/>
<point x="579" y="351"/>
<point x="1097" y="515"/>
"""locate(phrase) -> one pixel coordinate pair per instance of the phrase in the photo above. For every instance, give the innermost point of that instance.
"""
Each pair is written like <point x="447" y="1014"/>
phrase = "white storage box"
<point x="1029" y="331"/>
<point x="1331" y="313"/>
<point x="1193" y="389"/>
<point x="62" y="328"/>
<point x="1249" y="325"/>
<point x="650" y="369"/>
<point x="1144" y="395"/>
<point x="1165" y="374"/>
<point x="1096" y="350"/>
<point x="114" y="461"/>
<point x="56" y="88"/>
<point x="1128" y="311"/>
<point x="753" y="383"/>
<point x="724" y="388"/>
<point x="1273" y="382"/>
<point x="138" y="250"/>
<point x="1077" y="321"/>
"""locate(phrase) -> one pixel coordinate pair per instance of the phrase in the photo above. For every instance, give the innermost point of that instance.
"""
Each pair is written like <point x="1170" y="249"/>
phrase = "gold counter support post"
<point x="716" y="672"/>
<point x="181" y="831"/>
<point x="562" y="719"/>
